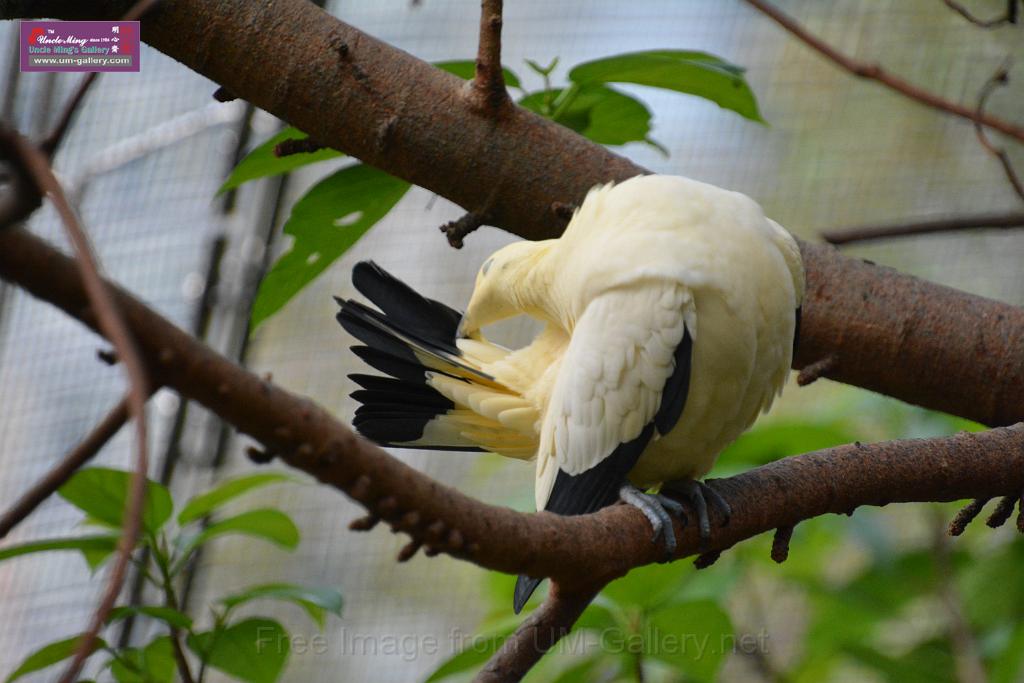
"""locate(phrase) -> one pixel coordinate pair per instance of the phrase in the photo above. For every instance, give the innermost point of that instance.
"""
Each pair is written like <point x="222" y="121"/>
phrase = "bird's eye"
<point x="486" y="266"/>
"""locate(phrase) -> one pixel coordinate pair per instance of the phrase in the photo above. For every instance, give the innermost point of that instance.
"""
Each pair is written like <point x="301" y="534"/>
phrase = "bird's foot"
<point x="699" y="495"/>
<point x="656" y="508"/>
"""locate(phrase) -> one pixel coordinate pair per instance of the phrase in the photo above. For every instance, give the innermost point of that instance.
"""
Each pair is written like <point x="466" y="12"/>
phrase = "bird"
<point x="669" y="312"/>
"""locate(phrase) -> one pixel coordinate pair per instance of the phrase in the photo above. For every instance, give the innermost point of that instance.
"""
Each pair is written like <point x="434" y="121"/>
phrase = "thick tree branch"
<point x="866" y="233"/>
<point x="876" y="73"/>
<point x="600" y="546"/>
<point x="524" y="168"/>
<point x="488" y="86"/>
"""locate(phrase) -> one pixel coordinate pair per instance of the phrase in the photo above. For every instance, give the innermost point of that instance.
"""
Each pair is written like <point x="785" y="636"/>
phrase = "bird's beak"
<point x="464" y="329"/>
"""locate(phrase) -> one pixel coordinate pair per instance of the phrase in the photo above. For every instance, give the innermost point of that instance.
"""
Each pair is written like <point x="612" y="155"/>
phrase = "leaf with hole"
<point x="209" y="501"/>
<point x="49" y="655"/>
<point x="261" y="162"/>
<point x="316" y="601"/>
<point x="254" y="650"/>
<point x="328" y="220"/>
<point x="684" y="71"/>
<point x="102" y="494"/>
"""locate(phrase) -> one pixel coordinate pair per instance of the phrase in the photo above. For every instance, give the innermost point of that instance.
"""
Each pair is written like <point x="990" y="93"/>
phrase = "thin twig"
<point x="489" y="83"/>
<point x="115" y="328"/>
<point x="1000" y="78"/>
<point x="50" y="143"/>
<point x="874" y="72"/>
<point x="966" y="516"/>
<point x="1008" y="17"/>
<point x="457" y="230"/>
<point x="867" y="233"/>
<point x="57" y="476"/>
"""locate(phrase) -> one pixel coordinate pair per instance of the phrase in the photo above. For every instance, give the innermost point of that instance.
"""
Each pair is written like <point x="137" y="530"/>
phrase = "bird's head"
<point x="505" y="285"/>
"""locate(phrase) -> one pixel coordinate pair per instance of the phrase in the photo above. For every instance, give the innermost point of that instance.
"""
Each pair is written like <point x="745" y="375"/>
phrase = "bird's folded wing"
<point x="617" y="378"/>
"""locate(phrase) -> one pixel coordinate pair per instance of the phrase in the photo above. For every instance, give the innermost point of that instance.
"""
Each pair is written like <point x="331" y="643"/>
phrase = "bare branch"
<point x="1000" y="78"/>
<point x="1008" y="17"/>
<point x="538" y="633"/>
<point x="52" y="141"/>
<point x="56" y="478"/>
<point x="457" y="230"/>
<point x="874" y="72"/>
<point x="867" y="233"/>
<point x="112" y="325"/>
<point x="488" y="86"/>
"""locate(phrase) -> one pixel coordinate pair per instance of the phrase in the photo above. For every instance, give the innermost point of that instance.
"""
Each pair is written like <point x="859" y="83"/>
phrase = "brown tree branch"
<point x="1000" y="78"/>
<point x="874" y="72"/>
<point x="81" y="454"/>
<point x="110" y="322"/>
<point x="488" y="86"/>
<point x="600" y="546"/>
<point x="866" y="233"/>
<point x="537" y="634"/>
<point x="343" y="100"/>
<point x="1008" y="17"/>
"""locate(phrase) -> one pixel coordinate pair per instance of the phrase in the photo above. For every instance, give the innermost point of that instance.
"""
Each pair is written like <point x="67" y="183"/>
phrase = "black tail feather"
<point x="525" y="585"/>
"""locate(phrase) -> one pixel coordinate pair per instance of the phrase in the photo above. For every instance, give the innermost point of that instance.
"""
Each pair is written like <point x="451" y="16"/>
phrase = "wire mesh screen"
<point x="835" y="151"/>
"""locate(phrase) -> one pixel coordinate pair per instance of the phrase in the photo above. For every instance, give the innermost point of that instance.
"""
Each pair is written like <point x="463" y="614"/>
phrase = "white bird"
<point x="670" y="309"/>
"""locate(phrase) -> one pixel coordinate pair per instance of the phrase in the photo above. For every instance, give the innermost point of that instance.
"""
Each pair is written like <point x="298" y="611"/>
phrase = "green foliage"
<point x="324" y="223"/>
<point x="102" y="494"/>
<point x="49" y="655"/>
<point x="253" y="649"/>
<point x="340" y="209"/>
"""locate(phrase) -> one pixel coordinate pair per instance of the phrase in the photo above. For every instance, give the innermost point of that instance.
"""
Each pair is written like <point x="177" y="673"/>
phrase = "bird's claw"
<point x="656" y="509"/>
<point x="699" y="495"/>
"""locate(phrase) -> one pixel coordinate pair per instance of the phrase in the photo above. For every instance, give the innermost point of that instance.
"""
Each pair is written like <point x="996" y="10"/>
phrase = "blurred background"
<point x="879" y="596"/>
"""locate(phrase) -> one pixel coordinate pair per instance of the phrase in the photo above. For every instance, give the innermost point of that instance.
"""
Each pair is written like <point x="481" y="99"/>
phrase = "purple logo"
<point x="79" y="46"/>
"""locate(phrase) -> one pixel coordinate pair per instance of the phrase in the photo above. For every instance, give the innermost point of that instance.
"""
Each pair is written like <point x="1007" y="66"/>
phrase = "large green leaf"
<point x="266" y="523"/>
<point x="209" y="501"/>
<point x="105" y="544"/>
<point x="694" y="637"/>
<point x="316" y="601"/>
<point x="253" y="650"/>
<point x="102" y="494"/>
<point x="262" y="162"/>
<point x="597" y="112"/>
<point x="49" y="655"/>
<point x="168" y="615"/>
<point x="328" y="220"/>
<point x="152" y="664"/>
<point x="466" y="70"/>
<point x="693" y="73"/>
<point x="649" y="585"/>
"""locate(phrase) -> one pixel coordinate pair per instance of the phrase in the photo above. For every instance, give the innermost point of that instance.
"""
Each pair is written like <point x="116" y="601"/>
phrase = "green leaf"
<point x="51" y="654"/>
<point x="253" y="650"/>
<point x="466" y="70"/>
<point x="929" y="662"/>
<point x="153" y="664"/>
<point x="262" y="162"/>
<point x="782" y="438"/>
<point x="316" y="601"/>
<point x="1006" y="666"/>
<point x="597" y="112"/>
<point x="167" y="615"/>
<point x="693" y="73"/>
<point x="476" y="651"/>
<point x="648" y="586"/>
<point x="266" y="523"/>
<point x="328" y="220"/>
<point x="105" y="544"/>
<point x="693" y="637"/>
<point x="102" y="494"/>
<point x="206" y="502"/>
<point x="542" y="70"/>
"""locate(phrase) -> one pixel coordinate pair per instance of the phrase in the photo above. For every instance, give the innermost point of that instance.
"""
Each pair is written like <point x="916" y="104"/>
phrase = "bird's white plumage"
<point x="639" y="263"/>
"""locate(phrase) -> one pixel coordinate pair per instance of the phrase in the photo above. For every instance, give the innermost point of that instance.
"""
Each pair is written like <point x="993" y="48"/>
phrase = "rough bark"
<point x="913" y="340"/>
